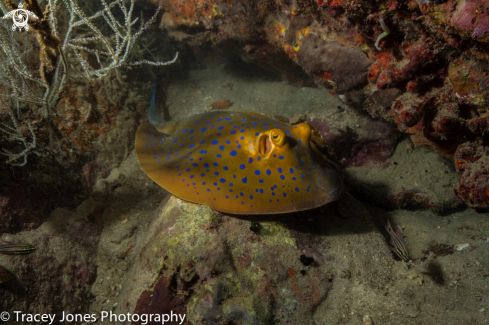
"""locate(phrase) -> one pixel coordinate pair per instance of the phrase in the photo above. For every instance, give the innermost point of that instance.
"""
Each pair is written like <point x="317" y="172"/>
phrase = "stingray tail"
<point x="154" y="115"/>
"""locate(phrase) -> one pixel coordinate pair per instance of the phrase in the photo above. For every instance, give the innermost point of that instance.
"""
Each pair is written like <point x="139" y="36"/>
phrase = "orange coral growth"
<point x="382" y="81"/>
<point x="373" y="72"/>
<point x="459" y="163"/>
<point x="326" y="75"/>
<point x="383" y="57"/>
<point x="411" y="85"/>
<point x="222" y="105"/>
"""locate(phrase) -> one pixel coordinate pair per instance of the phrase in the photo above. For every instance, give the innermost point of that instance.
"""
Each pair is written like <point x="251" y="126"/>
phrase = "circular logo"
<point x="20" y="19"/>
<point x="4" y="316"/>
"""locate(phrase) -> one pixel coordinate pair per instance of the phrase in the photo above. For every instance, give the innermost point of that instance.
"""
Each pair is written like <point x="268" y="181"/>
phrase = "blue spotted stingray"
<point x="238" y="163"/>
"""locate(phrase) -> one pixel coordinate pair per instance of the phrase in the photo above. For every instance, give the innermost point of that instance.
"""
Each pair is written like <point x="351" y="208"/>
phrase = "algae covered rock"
<point x="217" y="269"/>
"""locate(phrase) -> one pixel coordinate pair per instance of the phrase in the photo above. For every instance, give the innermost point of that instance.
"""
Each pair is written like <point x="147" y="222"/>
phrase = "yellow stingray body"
<point x="238" y="163"/>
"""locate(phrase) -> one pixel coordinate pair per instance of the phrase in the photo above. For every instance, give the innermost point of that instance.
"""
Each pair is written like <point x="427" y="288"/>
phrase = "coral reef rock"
<point x="216" y="268"/>
<point x="58" y="275"/>
<point x="347" y="66"/>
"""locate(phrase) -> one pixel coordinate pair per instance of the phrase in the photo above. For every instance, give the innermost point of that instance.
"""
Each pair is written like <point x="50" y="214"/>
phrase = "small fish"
<point x="397" y="244"/>
<point x="16" y="249"/>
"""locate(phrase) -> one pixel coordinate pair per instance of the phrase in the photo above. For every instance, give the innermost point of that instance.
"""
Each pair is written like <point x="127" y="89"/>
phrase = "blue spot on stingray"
<point x="216" y="173"/>
<point x="185" y="131"/>
<point x="233" y="131"/>
<point x="219" y="120"/>
<point x="251" y="197"/>
<point x="242" y="130"/>
<point x="231" y="184"/>
<point x="281" y="157"/>
<point x="233" y="153"/>
<point x="242" y="166"/>
<point x="203" y="175"/>
<point x="260" y="180"/>
<point x="239" y="146"/>
<point x="187" y="170"/>
<point x="293" y="178"/>
<point x="242" y="138"/>
<point x="192" y="176"/>
<point x="282" y="177"/>
<point x="208" y="190"/>
<point x="250" y="160"/>
<point x="225" y="168"/>
<point x="206" y="165"/>
<point x="218" y="155"/>
<point x="191" y="146"/>
<point x="257" y="133"/>
<point x="227" y="197"/>
<point x="214" y="142"/>
<point x="228" y="142"/>
<point x="220" y="128"/>
<point x="191" y="131"/>
<point x="291" y="170"/>
<point x="202" y="142"/>
<point x="221" y="148"/>
<point x="215" y="164"/>
<point x="222" y="180"/>
<point x="261" y="191"/>
<point x="297" y="189"/>
<point x="203" y="183"/>
<point x="218" y="134"/>
<point x="195" y="165"/>
<point x="280" y="170"/>
<point x="245" y="180"/>
<point x="257" y="172"/>
<point x="285" y="194"/>
<point x="241" y="194"/>
<point x="273" y="193"/>
<point x="215" y="184"/>
<point x="203" y="129"/>
<point x="269" y="172"/>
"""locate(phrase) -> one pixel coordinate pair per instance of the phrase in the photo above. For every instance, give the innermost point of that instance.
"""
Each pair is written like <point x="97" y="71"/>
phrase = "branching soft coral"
<point x="48" y="42"/>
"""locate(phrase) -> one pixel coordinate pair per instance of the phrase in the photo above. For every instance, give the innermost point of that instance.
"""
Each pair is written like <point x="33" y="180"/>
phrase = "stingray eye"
<point x="277" y="137"/>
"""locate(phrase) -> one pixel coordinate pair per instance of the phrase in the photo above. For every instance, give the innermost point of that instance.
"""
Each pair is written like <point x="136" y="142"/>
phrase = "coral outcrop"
<point x="345" y="68"/>
<point x="213" y="268"/>
<point x="472" y="163"/>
